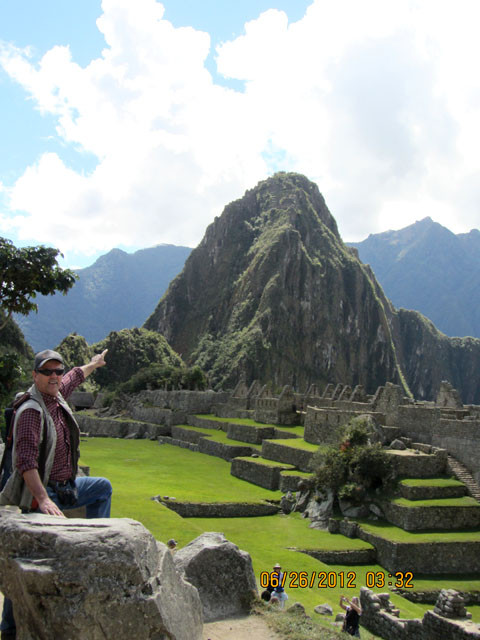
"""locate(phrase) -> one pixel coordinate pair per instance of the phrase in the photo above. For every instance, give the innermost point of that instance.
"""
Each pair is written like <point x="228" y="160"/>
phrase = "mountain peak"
<point x="268" y="292"/>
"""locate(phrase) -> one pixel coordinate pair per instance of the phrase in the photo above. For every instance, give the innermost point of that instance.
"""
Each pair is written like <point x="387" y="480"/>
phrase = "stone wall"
<point x="290" y="455"/>
<point x="257" y="473"/>
<point x="206" y="423"/>
<point x="322" y="425"/>
<point x="190" y="435"/>
<point x="423" y="518"/>
<point x="346" y="556"/>
<point x="454" y="428"/>
<point x="184" y="401"/>
<point x="416" y="464"/>
<point x="82" y="400"/>
<point x="431" y="493"/>
<point x="289" y="482"/>
<point x="158" y="415"/>
<point x="249" y="433"/>
<point x="378" y="618"/>
<point x="116" y="428"/>
<point x="221" y="509"/>
<point x="266" y="410"/>
<point x="427" y="558"/>
<point x="221" y="450"/>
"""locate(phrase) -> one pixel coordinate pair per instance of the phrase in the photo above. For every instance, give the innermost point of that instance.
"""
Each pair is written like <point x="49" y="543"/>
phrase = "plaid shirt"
<point x="27" y="433"/>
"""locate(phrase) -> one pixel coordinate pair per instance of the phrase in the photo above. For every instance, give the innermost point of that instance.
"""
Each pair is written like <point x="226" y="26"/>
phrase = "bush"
<point x="371" y="466"/>
<point x="354" y="467"/>
<point x="131" y="352"/>
<point x="332" y="471"/>
<point x="159" y="376"/>
<point x="352" y="492"/>
<point x="356" y="432"/>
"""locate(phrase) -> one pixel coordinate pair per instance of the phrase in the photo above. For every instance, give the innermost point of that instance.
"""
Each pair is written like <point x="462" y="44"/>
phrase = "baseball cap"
<point x="44" y="356"/>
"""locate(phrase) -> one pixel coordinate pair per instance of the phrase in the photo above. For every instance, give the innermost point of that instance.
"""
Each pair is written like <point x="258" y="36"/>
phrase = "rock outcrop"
<point x="96" y="579"/>
<point x="222" y="573"/>
<point x="272" y="293"/>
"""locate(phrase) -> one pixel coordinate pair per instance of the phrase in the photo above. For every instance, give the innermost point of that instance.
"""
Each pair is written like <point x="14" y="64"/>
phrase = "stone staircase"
<point x="457" y="469"/>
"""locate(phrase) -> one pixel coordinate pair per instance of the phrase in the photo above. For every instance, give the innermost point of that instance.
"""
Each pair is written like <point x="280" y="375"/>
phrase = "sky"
<point x="130" y="124"/>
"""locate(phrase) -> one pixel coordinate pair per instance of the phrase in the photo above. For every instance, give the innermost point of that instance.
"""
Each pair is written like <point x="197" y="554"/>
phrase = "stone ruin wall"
<point x="445" y="423"/>
<point x="381" y="618"/>
<point x="454" y="428"/>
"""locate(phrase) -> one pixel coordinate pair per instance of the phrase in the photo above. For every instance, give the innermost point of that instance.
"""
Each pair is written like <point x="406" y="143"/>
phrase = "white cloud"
<point x="377" y="101"/>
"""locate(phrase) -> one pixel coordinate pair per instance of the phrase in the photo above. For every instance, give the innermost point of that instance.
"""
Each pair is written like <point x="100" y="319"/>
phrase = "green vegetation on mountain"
<point x="16" y="363"/>
<point x="428" y="268"/>
<point x="118" y="291"/>
<point x="137" y="359"/>
<point x="272" y="293"/>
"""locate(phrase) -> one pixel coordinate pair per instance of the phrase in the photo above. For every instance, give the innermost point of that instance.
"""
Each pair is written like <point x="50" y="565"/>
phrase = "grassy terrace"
<point x="140" y="469"/>
<point x="431" y="482"/>
<point x="395" y="534"/>
<point x="219" y="436"/>
<point x="297" y="443"/>
<point x="464" y="501"/>
<point x="269" y="463"/>
<point x="301" y="474"/>
<point x="298" y="430"/>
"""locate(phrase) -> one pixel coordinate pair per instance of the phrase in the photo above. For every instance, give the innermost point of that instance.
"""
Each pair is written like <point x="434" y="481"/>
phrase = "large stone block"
<point x="96" y="579"/>
<point x="222" y="573"/>
<point x="252" y="470"/>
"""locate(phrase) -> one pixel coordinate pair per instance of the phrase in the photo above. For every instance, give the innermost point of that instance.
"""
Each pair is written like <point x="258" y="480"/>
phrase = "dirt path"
<point x="249" y="628"/>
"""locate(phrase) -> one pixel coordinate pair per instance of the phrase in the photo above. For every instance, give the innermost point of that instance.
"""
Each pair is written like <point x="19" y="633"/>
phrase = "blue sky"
<point x="132" y="124"/>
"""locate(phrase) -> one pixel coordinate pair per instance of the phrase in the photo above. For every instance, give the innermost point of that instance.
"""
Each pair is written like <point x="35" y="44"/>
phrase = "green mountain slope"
<point x="272" y="293"/>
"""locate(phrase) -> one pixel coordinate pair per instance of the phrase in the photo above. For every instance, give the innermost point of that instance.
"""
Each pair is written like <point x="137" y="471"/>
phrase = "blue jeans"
<point x="93" y="493"/>
<point x="96" y="495"/>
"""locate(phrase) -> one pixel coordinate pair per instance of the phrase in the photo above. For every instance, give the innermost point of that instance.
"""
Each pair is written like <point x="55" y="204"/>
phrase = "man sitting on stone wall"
<point x="46" y="452"/>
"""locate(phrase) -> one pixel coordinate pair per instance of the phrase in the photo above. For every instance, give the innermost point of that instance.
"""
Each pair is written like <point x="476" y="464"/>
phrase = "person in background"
<point x="172" y="545"/>
<point x="278" y="594"/>
<point x="352" y="615"/>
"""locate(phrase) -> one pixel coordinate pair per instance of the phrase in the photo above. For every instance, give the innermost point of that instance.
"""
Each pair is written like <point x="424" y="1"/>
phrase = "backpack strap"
<point x="9" y="434"/>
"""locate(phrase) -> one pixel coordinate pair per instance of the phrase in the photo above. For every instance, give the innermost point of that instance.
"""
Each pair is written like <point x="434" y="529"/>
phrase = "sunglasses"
<point x="49" y="372"/>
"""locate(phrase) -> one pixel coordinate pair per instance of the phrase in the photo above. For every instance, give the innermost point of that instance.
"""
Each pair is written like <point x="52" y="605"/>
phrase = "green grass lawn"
<point x="140" y="469"/>
<point x="431" y="482"/>
<point x="268" y="463"/>
<point x="395" y="534"/>
<point x="296" y="443"/>
<point x="300" y="474"/>
<point x="219" y="436"/>
<point x="464" y="501"/>
<point x="297" y="430"/>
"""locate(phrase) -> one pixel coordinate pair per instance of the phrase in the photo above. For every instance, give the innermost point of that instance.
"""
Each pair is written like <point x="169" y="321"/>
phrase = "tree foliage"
<point x="355" y="466"/>
<point x="27" y="271"/>
<point x="159" y="376"/>
<point x="131" y="351"/>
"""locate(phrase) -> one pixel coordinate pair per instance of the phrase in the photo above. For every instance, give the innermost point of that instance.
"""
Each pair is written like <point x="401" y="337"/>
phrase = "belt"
<point x="58" y="483"/>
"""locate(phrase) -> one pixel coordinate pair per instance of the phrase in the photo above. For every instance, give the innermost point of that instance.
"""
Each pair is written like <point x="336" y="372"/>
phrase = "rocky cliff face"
<point x="272" y="293"/>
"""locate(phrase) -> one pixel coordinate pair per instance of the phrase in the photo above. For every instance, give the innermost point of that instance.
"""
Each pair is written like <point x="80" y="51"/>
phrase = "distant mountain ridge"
<point x="118" y="291"/>
<point x="272" y="293"/>
<point x="428" y="268"/>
